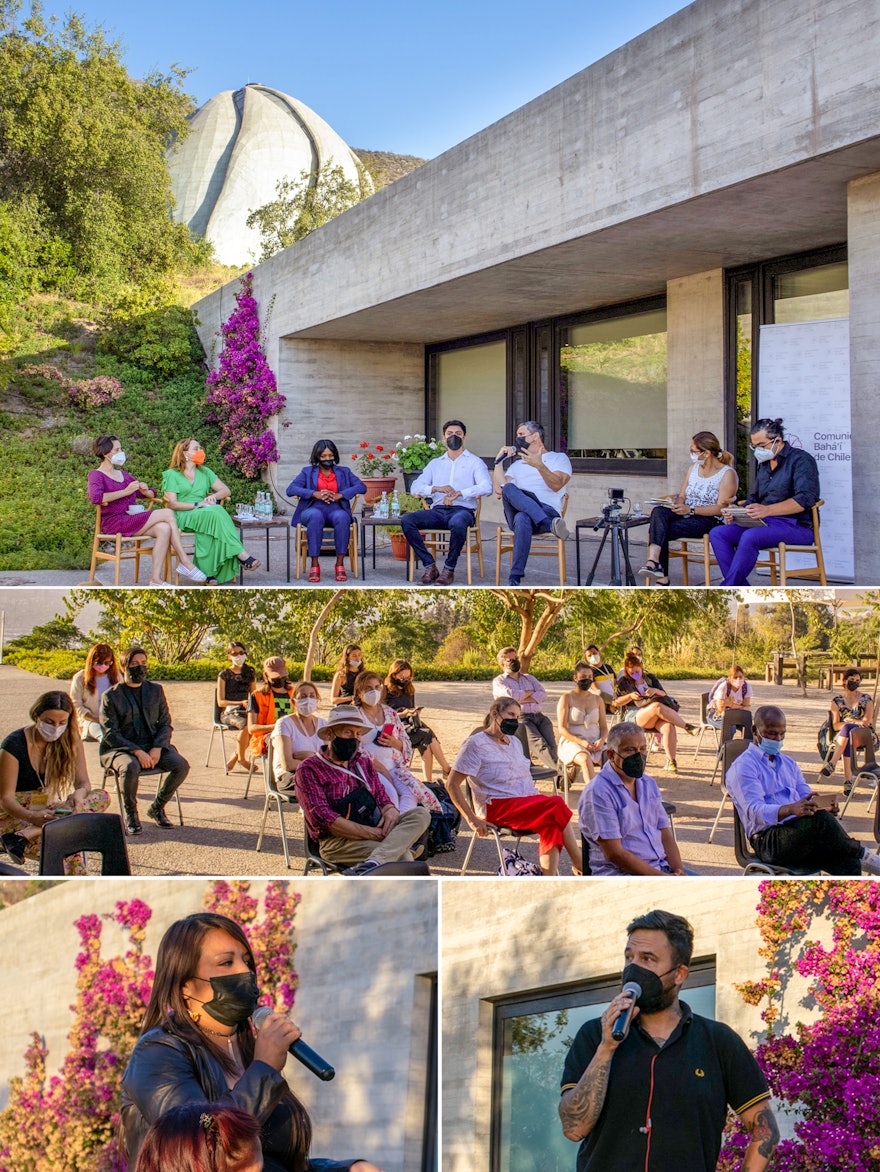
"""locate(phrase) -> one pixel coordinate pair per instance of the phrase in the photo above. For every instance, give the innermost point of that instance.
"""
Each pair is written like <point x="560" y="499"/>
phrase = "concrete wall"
<point x="864" y="342"/>
<point x="533" y="936"/>
<point x="362" y="999"/>
<point x="695" y="326"/>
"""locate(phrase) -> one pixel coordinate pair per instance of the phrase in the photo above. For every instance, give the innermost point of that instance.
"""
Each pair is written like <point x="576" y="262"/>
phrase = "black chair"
<point x="867" y="773"/>
<point x="217" y="726"/>
<point x="670" y="809"/>
<point x="411" y="870"/>
<point x="497" y="832"/>
<point x="279" y="798"/>
<point x="259" y="757"/>
<point x="585" y="855"/>
<point x="97" y="833"/>
<point x="111" y="769"/>
<point x="8" y="869"/>
<point x="705" y="724"/>
<point x="314" y="861"/>
<point x="730" y="750"/>
<point x="733" y="719"/>
<point x="750" y="862"/>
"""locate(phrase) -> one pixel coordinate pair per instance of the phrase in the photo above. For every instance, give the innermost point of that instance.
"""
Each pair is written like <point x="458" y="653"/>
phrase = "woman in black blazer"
<point x="325" y="492"/>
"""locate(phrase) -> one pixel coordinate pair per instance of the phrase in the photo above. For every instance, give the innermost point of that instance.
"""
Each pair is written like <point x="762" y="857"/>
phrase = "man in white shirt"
<point x="453" y="481"/>
<point x="531" y="492"/>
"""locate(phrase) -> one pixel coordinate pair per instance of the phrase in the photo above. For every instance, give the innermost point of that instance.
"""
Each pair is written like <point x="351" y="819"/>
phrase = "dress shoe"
<point x="132" y="823"/>
<point x="15" y="845"/>
<point x="446" y="577"/>
<point x="430" y="575"/>
<point x="157" y="813"/>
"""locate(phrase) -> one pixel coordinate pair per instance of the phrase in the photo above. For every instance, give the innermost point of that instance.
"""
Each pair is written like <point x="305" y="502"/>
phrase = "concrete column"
<point x="695" y="402"/>
<point x="863" y="236"/>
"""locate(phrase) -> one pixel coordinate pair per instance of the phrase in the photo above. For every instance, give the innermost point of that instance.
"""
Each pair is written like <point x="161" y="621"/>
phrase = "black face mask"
<point x="280" y="684"/>
<point x="136" y="674"/>
<point x="584" y="685"/>
<point x="853" y="685"/>
<point x="454" y="442"/>
<point x="514" y="665"/>
<point x="509" y="726"/>
<point x="344" y="748"/>
<point x="654" y="997"/>
<point x="326" y="463"/>
<point x="521" y="443"/>
<point x="398" y="683"/>
<point x="235" y="998"/>
<point x="633" y="765"/>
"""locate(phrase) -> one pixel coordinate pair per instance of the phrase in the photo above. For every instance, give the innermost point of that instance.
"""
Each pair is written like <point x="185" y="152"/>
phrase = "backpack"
<point x="824" y="739"/>
<point x="517" y="866"/>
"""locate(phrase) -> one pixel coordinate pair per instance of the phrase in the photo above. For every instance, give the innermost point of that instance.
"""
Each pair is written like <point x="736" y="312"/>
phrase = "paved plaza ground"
<point x="221" y="827"/>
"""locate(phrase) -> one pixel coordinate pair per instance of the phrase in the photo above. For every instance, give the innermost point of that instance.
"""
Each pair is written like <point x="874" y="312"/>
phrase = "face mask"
<point x="100" y="668"/>
<point x="454" y="442"/>
<point x="50" y="732"/>
<point x="278" y="682"/>
<point x="633" y="765"/>
<point x="197" y="457"/>
<point x="771" y="748"/>
<point x="697" y="457"/>
<point x="521" y="443"/>
<point x="762" y="455"/>
<point x="373" y="696"/>
<point x="853" y="685"/>
<point x="136" y="674"/>
<point x="307" y="706"/>
<point x="635" y="675"/>
<point x="594" y="659"/>
<point x="354" y="664"/>
<point x="118" y="458"/>
<point x="344" y="748"/>
<point x="326" y="463"/>
<point x="238" y="660"/>
<point x="509" y="726"/>
<point x="514" y="665"/>
<point x="653" y="996"/>
<point x="235" y="998"/>
<point x="584" y="684"/>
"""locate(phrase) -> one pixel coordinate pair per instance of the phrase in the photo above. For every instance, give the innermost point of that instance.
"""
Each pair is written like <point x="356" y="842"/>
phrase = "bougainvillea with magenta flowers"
<point x="68" y="1122"/>
<point x="242" y="393"/>
<point x="828" y="1071"/>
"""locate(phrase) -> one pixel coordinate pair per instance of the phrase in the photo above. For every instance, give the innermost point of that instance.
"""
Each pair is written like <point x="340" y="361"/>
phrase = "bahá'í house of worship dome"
<point x="240" y="145"/>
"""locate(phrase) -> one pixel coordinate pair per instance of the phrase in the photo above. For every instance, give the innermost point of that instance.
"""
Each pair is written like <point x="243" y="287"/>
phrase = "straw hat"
<point x="343" y="714"/>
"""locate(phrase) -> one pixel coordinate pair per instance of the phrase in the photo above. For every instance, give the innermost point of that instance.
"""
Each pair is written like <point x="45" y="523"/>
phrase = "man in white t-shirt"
<point x="531" y="492"/>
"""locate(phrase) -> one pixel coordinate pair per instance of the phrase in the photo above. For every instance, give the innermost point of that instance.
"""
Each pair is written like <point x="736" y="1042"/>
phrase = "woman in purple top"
<point x="115" y="491"/>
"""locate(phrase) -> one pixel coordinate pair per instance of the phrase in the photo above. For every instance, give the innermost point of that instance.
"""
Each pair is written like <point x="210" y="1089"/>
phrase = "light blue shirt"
<point x="516" y="687"/>
<point x="467" y="474"/>
<point x="759" y="784"/>
<point x="606" y="810"/>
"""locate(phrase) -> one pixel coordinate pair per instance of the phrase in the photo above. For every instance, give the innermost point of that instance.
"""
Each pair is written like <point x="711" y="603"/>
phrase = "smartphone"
<point x="823" y="801"/>
<point x="387" y="730"/>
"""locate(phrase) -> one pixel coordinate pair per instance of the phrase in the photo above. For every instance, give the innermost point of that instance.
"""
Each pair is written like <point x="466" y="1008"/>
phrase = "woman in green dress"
<point x="194" y="493"/>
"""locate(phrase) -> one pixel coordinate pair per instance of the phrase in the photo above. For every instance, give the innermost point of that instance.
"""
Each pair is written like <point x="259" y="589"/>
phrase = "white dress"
<point x="582" y="724"/>
<point x="300" y="741"/>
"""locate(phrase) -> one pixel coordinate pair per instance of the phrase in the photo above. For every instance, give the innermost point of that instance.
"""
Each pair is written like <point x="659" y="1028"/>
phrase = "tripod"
<point x="617" y="528"/>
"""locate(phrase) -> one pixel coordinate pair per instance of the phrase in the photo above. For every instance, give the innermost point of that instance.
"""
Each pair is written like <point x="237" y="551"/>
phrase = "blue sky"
<point x="387" y="75"/>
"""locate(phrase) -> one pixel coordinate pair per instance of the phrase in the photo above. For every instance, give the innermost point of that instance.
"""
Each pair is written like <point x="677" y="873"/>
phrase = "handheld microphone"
<point x="621" y="1026"/>
<point x="303" y="1053"/>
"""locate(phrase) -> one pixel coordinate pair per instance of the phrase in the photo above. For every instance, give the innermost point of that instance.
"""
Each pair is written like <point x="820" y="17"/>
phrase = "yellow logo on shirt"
<point x="700" y="1073"/>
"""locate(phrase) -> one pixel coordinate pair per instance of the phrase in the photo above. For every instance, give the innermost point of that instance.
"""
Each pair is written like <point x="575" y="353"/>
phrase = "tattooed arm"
<point x="581" y="1105"/>
<point x="760" y="1123"/>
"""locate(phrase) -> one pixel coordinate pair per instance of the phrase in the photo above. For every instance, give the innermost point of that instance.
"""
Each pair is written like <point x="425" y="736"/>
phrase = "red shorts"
<point x="547" y="815"/>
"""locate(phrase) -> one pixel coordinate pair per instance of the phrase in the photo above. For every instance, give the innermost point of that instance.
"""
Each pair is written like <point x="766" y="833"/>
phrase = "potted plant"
<point x="414" y="453"/>
<point x="375" y="465"/>
<point x="399" y="544"/>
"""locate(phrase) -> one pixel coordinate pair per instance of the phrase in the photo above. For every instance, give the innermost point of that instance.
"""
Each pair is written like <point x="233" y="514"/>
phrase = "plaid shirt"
<point x="319" y="782"/>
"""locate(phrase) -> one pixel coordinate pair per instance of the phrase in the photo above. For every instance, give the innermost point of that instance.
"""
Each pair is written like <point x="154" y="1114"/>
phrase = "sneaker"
<point x="157" y="813"/>
<point x="870" y="862"/>
<point x="691" y="729"/>
<point x="671" y="767"/>
<point x="559" y="528"/>
<point x="194" y="575"/>
<point x="847" y="786"/>
<point x="417" y="850"/>
<point x="362" y="868"/>
<point x="15" y="845"/>
<point x="826" y="770"/>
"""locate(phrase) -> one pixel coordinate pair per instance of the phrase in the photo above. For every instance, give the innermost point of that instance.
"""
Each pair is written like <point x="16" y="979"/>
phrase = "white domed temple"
<point x="240" y="145"/>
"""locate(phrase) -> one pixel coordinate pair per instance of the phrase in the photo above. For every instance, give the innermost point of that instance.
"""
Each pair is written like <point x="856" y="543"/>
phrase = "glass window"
<point x="613" y="387"/>
<point x="811" y="294"/>
<point x="472" y="386"/>
<point x="743" y="319"/>
<point x="532" y="1038"/>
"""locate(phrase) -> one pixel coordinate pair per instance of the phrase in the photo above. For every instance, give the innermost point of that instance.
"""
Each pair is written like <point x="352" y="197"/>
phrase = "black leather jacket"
<point x="134" y="718"/>
<point x="166" y="1071"/>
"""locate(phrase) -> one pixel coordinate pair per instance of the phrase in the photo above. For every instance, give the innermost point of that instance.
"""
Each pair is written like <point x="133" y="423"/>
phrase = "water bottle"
<point x="382" y="508"/>
<point x="395" y="504"/>
<point x="269" y="505"/>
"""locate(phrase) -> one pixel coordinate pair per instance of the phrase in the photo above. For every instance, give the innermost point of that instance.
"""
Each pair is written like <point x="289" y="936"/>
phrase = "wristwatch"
<point x="693" y="512"/>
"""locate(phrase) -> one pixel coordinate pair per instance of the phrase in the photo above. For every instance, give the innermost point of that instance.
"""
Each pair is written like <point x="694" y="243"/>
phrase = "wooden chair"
<point x="125" y="549"/>
<point x="437" y="544"/>
<point x="696" y="550"/>
<point x="301" y="544"/>
<point x="812" y="573"/>
<point x="544" y="545"/>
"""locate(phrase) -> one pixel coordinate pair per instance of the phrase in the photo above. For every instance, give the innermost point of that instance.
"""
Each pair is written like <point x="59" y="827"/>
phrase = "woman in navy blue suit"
<point x="325" y="492"/>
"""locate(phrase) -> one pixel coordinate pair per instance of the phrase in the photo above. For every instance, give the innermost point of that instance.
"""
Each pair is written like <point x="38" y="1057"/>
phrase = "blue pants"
<point x="736" y="549"/>
<point x="525" y="515"/>
<point x="319" y="514"/>
<point x="456" y="518"/>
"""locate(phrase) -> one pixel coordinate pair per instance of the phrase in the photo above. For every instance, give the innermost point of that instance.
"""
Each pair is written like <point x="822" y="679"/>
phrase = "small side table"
<point x="372" y="522"/>
<point x="265" y="523"/>
<point x="619" y="531"/>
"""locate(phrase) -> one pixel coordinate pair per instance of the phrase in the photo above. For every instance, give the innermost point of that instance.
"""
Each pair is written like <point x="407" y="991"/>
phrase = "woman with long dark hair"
<point x="325" y="490"/>
<point x="197" y="1043"/>
<point x="345" y="677"/>
<point x="400" y="694"/>
<point x="89" y="685"/>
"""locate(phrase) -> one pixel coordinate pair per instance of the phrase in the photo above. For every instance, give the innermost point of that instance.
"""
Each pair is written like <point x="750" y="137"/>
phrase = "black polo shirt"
<point x="703" y="1067"/>
<point x="795" y="477"/>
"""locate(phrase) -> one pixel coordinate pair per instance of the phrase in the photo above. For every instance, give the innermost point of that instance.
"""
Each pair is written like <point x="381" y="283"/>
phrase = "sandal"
<point x="250" y="563"/>
<point x="341" y="575"/>
<point x="652" y="569"/>
<point x="211" y="582"/>
<point x="315" y="574"/>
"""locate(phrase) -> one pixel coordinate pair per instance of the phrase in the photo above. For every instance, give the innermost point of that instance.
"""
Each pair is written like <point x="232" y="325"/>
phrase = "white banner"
<point x="803" y="378"/>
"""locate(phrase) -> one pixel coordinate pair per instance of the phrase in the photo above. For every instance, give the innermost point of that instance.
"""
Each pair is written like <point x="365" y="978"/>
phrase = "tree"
<point x="303" y="204"/>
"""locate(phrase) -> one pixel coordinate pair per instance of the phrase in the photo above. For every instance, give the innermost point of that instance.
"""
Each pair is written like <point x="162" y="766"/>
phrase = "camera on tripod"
<point x="611" y="513"/>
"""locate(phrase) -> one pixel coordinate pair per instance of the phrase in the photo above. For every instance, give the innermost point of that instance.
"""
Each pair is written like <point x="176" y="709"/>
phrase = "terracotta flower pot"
<point x="399" y="546"/>
<point x="376" y="485"/>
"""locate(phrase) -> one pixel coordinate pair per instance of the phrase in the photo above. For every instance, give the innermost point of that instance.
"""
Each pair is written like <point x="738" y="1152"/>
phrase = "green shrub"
<point x="148" y="329"/>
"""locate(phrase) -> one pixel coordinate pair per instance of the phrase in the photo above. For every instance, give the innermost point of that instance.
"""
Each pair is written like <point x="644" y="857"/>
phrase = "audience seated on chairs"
<point x="325" y="490"/>
<point x="621" y="813"/>
<point x="643" y="698"/>
<point x="504" y="792"/>
<point x="784" y="821"/>
<point x="453" y="482"/>
<point x="270" y="700"/>
<point x="234" y="686"/>
<point x="295" y="736"/>
<point x="43" y="776"/>
<point x="852" y="718"/>
<point x="345" y="804"/>
<point x="583" y="728"/>
<point x="136" y="735"/>
<point x="536" y="730"/>
<point x="342" y="684"/>
<point x="89" y="685"/>
<point x="732" y="691"/>
<point x="400" y="694"/>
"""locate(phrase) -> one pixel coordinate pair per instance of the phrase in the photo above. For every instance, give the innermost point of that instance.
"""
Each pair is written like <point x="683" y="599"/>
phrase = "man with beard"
<point x="657" y="1100"/>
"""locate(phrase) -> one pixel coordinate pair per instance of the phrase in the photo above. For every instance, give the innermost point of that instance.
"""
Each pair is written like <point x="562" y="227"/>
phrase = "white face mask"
<point x="354" y="664"/>
<point x="307" y="706"/>
<point x="594" y="659"/>
<point x="373" y="696"/>
<point x="762" y="455"/>
<point x="698" y="457"/>
<point x="238" y="660"/>
<point x="118" y="458"/>
<point x="50" y="732"/>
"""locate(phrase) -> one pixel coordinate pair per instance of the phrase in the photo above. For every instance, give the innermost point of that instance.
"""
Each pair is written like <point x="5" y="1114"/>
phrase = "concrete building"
<point x="617" y="259"/>
<point x="520" y="978"/>
<point x="366" y="998"/>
